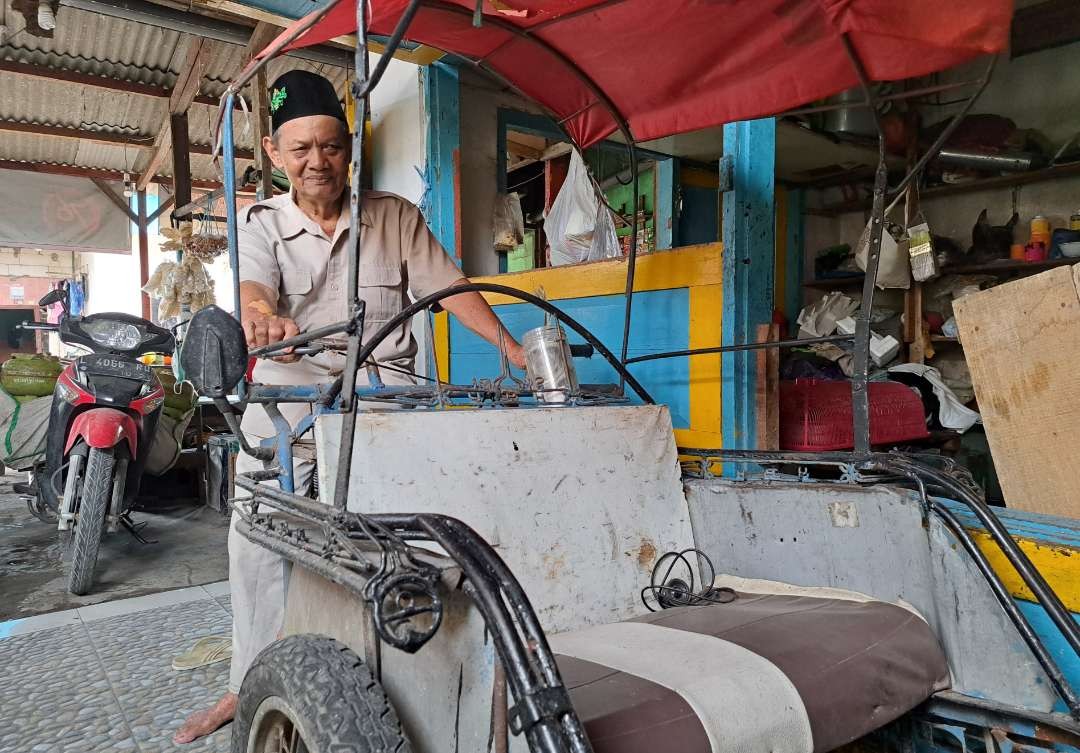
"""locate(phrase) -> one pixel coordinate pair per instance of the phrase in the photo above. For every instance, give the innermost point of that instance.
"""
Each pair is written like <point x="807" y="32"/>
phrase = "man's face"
<point x="314" y="152"/>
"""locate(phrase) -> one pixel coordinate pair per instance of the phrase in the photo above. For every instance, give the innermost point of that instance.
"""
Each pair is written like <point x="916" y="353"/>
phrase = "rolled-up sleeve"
<point x="429" y="267"/>
<point x="258" y="263"/>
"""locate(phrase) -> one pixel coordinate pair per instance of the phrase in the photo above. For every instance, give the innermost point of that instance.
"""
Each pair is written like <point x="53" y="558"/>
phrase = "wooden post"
<point x="178" y="129"/>
<point x="262" y="128"/>
<point x="144" y="253"/>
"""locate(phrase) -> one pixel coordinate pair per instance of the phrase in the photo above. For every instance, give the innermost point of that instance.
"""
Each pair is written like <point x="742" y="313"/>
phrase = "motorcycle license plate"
<point x="121" y="368"/>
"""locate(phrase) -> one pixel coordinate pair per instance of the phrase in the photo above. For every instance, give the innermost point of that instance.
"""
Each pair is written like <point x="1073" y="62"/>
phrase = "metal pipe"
<point x="949" y="129"/>
<point x="284" y="41"/>
<point x="631" y="264"/>
<point x="197" y="25"/>
<point x="860" y="393"/>
<point x="392" y="44"/>
<point x="740" y="347"/>
<point x="229" y="180"/>
<point x="302" y="339"/>
<point x="1044" y="594"/>
<point x="1027" y="632"/>
<point x="486" y="287"/>
<point x="884" y="98"/>
<point x="356" y="307"/>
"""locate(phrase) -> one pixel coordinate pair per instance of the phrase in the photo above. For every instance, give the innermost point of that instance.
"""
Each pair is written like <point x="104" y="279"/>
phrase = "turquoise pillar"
<point x="442" y="103"/>
<point x="667" y="203"/>
<point x="749" y="232"/>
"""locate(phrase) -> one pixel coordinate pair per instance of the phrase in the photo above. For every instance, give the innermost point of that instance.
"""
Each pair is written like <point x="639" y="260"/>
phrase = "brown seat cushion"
<point x="769" y="673"/>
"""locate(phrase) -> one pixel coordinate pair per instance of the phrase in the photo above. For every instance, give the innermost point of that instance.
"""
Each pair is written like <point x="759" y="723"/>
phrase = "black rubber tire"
<point x="90" y="520"/>
<point x="328" y="693"/>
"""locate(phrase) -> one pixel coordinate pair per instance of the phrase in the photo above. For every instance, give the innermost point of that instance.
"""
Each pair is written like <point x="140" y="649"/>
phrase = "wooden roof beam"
<point x="99" y="82"/>
<point x="75" y="171"/>
<point x="103" y="137"/>
<point x="184" y="91"/>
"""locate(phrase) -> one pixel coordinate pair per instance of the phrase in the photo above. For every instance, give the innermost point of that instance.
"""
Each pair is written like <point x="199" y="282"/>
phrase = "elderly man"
<point x="293" y="262"/>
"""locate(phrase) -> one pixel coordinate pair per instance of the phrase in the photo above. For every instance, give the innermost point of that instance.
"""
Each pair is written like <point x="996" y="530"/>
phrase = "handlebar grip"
<point x="582" y="350"/>
<point x="38" y="326"/>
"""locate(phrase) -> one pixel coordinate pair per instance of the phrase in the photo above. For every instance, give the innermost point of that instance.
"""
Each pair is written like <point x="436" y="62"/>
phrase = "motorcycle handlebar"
<point x="38" y="326"/>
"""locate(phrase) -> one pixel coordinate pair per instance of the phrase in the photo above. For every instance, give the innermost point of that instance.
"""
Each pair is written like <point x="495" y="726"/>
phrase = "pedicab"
<point x="552" y="578"/>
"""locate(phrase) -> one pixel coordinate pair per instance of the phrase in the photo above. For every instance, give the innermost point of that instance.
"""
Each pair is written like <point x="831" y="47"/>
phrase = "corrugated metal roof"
<point x="91" y="43"/>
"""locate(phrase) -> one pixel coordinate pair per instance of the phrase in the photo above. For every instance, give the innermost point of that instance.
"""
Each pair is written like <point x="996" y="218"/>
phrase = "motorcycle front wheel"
<point x="93" y="503"/>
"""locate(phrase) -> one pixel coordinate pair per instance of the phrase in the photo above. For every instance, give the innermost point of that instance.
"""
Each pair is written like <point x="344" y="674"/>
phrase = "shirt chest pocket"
<point x="381" y="290"/>
<point x="296" y="285"/>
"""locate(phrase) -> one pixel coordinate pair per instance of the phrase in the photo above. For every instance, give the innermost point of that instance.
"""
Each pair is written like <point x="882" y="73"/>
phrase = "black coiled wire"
<point x="668" y="592"/>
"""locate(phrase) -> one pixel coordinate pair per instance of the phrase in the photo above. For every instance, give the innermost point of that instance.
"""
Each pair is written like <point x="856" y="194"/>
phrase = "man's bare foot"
<point x="202" y="723"/>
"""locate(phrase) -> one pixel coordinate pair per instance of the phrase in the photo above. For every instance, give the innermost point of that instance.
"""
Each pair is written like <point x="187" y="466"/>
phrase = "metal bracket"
<point x="545" y="704"/>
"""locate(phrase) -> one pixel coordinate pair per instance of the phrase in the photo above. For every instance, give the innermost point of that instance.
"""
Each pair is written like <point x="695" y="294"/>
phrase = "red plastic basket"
<point x="816" y="415"/>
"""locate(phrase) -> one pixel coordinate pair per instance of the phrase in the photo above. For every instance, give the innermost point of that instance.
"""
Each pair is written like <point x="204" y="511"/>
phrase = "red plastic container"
<point x="816" y="415"/>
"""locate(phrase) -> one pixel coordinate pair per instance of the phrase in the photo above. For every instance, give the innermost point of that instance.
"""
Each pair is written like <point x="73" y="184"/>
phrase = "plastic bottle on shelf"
<point x="1040" y="231"/>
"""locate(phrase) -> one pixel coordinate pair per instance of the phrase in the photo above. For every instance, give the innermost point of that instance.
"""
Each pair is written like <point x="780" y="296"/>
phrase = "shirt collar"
<point x="293" y="221"/>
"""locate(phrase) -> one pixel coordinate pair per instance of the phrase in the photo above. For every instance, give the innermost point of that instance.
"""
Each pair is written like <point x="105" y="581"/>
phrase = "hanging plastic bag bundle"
<point x="579" y="227"/>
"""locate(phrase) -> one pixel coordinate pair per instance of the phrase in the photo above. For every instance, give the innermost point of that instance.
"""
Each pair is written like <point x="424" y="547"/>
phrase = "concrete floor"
<point x="191" y="551"/>
<point x="93" y="673"/>
<point x="99" y="678"/>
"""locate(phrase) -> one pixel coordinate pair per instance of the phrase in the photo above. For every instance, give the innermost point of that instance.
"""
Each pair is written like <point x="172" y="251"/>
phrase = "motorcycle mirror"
<point x="214" y="356"/>
<point x="56" y="295"/>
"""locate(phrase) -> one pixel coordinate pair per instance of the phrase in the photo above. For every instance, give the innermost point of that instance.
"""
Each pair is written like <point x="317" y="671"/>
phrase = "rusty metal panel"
<point x="579" y="501"/>
<point x="873" y="540"/>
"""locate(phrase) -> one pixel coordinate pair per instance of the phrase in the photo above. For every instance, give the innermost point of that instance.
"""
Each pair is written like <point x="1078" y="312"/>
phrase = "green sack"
<point x="30" y="375"/>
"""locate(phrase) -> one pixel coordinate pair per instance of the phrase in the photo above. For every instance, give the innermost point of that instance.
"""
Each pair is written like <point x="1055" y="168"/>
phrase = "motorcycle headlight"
<point x="115" y="335"/>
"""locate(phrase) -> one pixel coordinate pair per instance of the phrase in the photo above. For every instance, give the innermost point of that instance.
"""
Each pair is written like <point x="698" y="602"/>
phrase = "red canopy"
<point x="669" y="66"/>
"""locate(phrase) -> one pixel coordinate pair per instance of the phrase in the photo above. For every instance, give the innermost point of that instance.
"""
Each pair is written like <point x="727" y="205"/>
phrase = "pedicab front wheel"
<point x="312" y="694"/>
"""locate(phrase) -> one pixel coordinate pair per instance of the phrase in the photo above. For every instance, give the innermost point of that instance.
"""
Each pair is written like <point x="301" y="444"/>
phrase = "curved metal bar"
<point x="1033" y="579"/>
<point x="905" y="467"/>
<point x="621" y="123"/>
<point x="392" y="44"/>
<point x="1019" y="621"/>
<point x="486" y="287"/>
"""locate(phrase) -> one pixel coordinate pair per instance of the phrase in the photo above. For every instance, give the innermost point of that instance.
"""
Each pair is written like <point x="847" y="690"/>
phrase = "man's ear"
<point x="272" y="152"/>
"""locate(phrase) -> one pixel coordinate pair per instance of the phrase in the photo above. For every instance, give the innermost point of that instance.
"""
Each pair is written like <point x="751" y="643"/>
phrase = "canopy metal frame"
<point x="862" y="457"/>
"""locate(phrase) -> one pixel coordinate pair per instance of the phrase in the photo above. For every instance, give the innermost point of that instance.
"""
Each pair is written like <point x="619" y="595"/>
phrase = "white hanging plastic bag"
<point x="605" y="242"/>
<point x="571" y="222"/>
<point x="509" y="222"/>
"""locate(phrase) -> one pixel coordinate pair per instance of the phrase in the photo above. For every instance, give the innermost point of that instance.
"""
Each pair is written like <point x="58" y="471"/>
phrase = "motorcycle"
<point x="105" y="410"/>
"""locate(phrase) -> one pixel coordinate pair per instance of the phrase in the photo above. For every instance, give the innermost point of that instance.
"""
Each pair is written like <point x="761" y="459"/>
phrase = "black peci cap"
<point x="298" y="94"/>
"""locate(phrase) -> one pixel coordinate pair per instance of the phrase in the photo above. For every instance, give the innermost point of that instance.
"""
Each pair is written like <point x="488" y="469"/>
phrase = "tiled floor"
<point x="98" y="678"/>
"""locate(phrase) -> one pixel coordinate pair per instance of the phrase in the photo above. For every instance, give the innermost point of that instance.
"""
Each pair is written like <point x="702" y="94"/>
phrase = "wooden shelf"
<point x="836" y="283"/>
<point x="1007" y="265"/>
<point x="951" y="189"/>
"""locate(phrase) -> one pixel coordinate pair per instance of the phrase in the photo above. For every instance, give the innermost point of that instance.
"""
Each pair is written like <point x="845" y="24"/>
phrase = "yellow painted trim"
<point x="780" y="273"/>
<point x="663" y="270"/>
<point x="692" y="438"/>
<point x="1060" y="565"/>
<point x="442" y="344"/>
<point x="697" y="268"/>
<point x="706" y="313"/>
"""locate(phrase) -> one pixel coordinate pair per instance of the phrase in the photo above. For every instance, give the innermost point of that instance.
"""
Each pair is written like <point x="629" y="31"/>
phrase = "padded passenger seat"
<point x="765" y="673"/>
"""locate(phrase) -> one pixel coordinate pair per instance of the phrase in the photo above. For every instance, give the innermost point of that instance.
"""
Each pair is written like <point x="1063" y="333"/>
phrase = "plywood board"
<point x="1022" y="344"/>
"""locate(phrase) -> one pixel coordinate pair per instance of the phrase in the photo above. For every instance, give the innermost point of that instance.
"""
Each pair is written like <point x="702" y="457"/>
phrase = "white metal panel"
<point x="880" y="546"/>
<point x="578" y="501"/>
